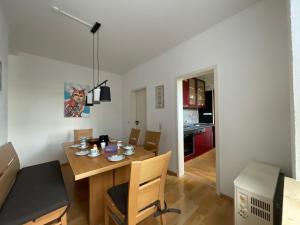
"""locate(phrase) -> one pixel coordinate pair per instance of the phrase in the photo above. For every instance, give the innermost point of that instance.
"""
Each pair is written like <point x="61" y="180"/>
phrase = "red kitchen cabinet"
<point x="203" y="141"/>
<point x="185" y="88"/>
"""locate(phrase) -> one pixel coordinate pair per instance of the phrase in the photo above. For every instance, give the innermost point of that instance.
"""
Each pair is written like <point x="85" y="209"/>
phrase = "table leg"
<point x="122" y="175"/>
<point x="98" y="185"/>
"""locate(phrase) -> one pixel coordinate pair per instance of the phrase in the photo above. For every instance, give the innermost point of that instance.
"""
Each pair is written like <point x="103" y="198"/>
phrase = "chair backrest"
<point x="146" y="186"/>
<point x="83" y="133"/>
<point x="9" y="167"/>
<point x="134" y="136"/>
<point x="152" y="139"/>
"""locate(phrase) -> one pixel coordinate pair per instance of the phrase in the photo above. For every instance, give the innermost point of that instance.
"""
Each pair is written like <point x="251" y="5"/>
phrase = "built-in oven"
<point x="188" y="144"/>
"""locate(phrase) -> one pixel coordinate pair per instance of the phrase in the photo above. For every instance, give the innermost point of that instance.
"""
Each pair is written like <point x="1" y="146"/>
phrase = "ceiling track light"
<point x="100" y="92"/>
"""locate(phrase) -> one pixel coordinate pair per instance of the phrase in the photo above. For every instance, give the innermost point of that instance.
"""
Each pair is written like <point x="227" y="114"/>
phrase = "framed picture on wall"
<point x="159" y="97"/>
<point x="75" y="100"/>
<point x="0" y="76"/>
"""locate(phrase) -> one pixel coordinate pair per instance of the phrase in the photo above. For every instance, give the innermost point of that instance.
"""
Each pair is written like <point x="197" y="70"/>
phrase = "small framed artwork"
<point x="0" y="76"/>
<point x="159" y="97"/>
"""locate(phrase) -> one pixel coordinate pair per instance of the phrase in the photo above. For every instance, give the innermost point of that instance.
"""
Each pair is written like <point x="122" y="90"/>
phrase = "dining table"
<point x="102" y="175"/>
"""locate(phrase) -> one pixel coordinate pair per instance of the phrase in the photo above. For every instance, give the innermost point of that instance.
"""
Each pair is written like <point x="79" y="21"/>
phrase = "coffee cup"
<point x="103" y="144"/>
<point x="119" y="144"/>
<point x="83" y="144"/>
<point x="94" y="151"/>
<point x="130" y="150"/>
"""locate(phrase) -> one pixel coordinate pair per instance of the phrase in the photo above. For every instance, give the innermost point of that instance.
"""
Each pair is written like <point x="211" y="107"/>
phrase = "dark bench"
<point x="34" y="195"/>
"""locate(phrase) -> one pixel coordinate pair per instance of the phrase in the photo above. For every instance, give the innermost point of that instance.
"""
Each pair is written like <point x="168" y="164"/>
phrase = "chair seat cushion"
<point x="119" y="195"/>
<point x="38" y="190"/>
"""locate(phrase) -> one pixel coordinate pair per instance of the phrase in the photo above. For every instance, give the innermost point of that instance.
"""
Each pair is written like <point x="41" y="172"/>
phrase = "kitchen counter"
<point x="197" y="126"/>
<point x="291" y="202"/>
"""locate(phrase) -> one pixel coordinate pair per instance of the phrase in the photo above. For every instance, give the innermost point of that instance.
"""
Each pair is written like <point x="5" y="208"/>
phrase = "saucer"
<point x="81" y="153"/>
<point x="115" y="158"/>
<point x="93" y="155"/>
<point x="128" y="154"/>
<point x="75" y="146"/>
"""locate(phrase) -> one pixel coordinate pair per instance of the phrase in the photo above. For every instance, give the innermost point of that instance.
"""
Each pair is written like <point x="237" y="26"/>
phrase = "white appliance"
<point x="254" y="194"/>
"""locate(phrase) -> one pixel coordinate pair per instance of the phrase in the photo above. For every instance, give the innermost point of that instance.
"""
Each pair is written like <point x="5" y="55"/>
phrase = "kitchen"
<point x="199" y="129"/>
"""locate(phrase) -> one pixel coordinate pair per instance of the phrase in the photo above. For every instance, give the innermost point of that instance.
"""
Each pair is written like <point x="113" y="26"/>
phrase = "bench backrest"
<point x="9" y="167"/>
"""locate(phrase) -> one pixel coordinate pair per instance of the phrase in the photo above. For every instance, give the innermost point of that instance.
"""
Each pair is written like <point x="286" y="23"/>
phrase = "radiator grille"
<point x="261" y="209"/>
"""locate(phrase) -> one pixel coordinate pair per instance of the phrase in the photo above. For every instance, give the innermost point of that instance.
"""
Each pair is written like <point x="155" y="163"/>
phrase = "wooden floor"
<point x="198" y="201"/>
<point x="203" y="166"/>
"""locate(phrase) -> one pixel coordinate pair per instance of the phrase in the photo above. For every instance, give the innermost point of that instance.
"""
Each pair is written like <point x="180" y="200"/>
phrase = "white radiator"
<point x="254" y="194"/>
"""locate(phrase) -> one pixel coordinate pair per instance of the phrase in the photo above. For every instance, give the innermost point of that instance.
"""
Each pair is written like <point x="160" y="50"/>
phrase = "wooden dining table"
<point x="102" y="175"/>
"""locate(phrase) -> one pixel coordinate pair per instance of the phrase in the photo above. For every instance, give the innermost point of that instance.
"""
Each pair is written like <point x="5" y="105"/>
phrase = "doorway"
<point x="198" y="129"/>
<point x="140" y="121"/>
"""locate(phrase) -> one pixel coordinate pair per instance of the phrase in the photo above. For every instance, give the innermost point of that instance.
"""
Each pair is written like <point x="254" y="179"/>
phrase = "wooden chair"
<point x="143" y="196"/>
<point x="152" y="139"/>
<point x="82" y="133"/>
<point x="134" y="136"/>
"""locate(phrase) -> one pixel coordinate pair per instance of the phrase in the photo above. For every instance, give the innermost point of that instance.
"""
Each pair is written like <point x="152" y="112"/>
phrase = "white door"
<point x="141" y="110"/>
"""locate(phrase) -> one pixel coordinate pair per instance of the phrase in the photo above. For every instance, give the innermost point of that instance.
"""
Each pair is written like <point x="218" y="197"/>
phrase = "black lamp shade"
<point x="105" y="94"/>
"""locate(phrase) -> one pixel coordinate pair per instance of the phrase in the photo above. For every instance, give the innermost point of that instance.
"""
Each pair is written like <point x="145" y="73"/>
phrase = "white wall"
<point x="3" y="92"/>
<point x="250" y="51"/>
<point x="36" y="123"/>
<point x="295" y="28"/>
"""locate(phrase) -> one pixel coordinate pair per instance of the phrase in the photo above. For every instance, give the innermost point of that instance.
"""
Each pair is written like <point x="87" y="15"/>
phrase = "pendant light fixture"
<point x="100" y="91"/>
<point x="105" y="94"/>
<point x="96" y="91"/>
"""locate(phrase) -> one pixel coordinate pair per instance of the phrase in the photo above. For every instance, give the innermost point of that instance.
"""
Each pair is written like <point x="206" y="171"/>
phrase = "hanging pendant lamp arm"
<point x="94" y="28"/>
<point x="64" y="13"/>
<point x="99" y="85"/>
<point x="103" y="83"/>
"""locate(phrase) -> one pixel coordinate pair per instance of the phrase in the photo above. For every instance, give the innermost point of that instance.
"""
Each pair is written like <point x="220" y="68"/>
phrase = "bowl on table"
<point x="111" y="149"/>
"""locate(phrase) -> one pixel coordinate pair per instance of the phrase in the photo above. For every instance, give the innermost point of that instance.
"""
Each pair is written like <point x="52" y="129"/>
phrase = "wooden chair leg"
<point x="106" y="216"/>
<point x="163" y="219"/>
<point x="64" y="219"/>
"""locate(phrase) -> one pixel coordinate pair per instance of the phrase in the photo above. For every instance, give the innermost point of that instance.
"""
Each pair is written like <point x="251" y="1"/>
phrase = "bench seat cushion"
<point x="38" y="190"/>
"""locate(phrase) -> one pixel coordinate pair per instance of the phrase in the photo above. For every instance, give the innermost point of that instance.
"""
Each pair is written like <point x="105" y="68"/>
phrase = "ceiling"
<point x="132" y="32"/>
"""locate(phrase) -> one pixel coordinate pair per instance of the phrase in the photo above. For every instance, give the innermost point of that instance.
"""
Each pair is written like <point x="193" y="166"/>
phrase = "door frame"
<point x="180" y="163"/>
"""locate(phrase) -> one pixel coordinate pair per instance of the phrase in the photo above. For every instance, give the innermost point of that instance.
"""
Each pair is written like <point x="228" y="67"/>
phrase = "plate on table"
<point x="82" y="153"/>
<point x="127" y="153"/>
<point x="82" y="148"/>
<point x="75" y="146"/>
<point x="93" y="155"/>
<point x="115" y="158"/>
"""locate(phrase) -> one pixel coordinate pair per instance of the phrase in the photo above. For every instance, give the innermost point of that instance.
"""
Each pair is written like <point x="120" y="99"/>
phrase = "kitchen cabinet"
<point x="193" y="93"/>
<point x="185" y="88"/>
<point x="203" y="141"/>
<point x="200" y="93"/>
